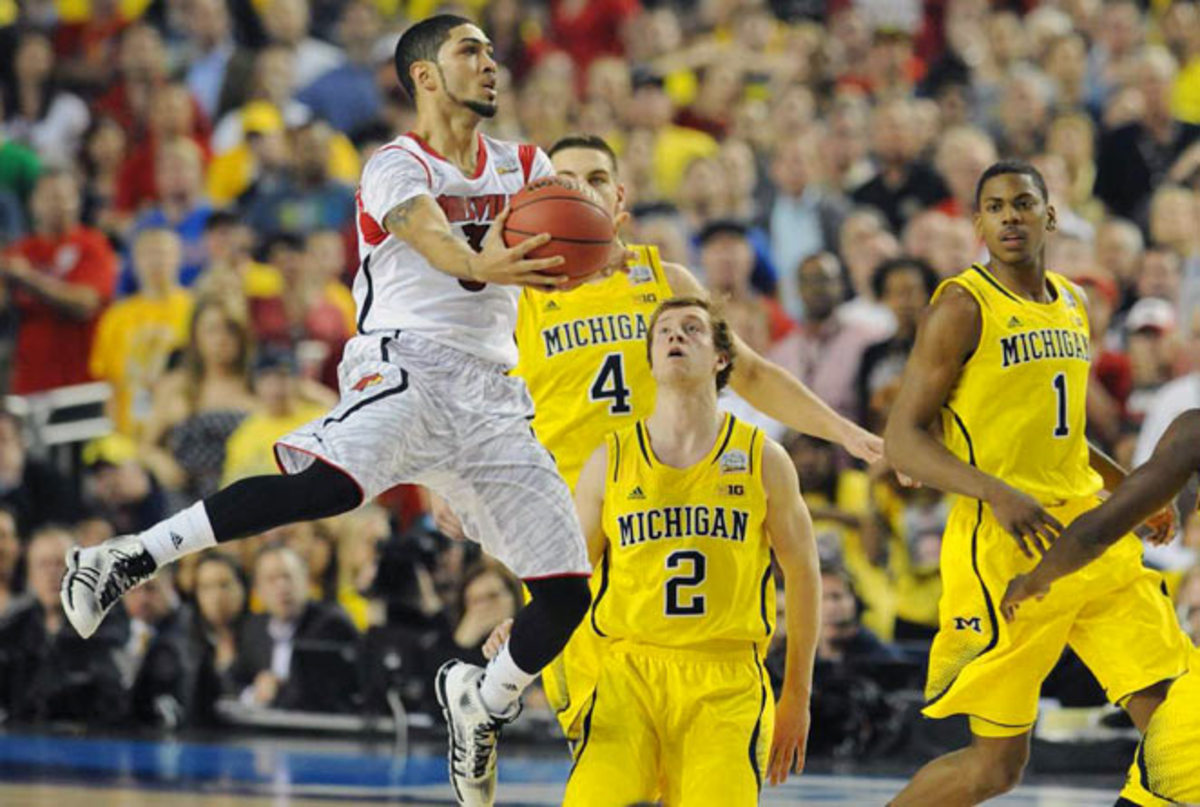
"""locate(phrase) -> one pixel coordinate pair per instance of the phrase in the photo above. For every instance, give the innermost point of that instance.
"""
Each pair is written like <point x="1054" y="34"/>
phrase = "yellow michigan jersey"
<point x="1018" y="411"/>
<point x="1018" y="414"/>
<point x="688" y="561"/>
<point x="680" y="709"/>
<point x="583" y="357"/>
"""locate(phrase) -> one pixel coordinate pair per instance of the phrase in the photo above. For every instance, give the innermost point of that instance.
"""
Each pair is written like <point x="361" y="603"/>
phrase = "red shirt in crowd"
<point x="53" y="347"/>
<point x="594" y="31"/>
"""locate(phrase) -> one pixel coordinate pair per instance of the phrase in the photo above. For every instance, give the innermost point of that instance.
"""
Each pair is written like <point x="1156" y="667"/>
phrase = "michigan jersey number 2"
<point x="1062" y="428"/>
<point x="679" y="601"/>
<point x="609" y="385"/>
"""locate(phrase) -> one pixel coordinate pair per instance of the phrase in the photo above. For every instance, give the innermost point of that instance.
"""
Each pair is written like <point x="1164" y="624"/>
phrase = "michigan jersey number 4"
<point x="609" y="385"/>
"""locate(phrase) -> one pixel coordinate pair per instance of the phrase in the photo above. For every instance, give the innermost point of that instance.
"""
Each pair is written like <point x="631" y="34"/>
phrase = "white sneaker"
<point x="473" y="733"/>
<point x="97" y="577"/>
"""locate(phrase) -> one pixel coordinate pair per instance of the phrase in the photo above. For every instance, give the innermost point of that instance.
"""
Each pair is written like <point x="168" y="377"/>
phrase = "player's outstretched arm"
<point x="422" y="224"/>
<point x="589" y="501"/>
<point x="1144" y="492"/>
<point x="778" y="394"/>
<point x="790" y="528"/>
<point x="948" y="334"/>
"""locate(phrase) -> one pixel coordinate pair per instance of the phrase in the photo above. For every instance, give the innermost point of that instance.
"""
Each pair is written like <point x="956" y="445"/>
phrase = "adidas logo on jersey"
<point x="1013" y="322"/>
<point x="551" y="306"/>
<point x="636" y="493"/>
<point x="507" y="169"/>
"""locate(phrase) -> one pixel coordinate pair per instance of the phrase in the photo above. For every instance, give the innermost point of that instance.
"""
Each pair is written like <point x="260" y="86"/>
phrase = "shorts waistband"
<point x="726" y="651"/>
<point x="451" y="357"/>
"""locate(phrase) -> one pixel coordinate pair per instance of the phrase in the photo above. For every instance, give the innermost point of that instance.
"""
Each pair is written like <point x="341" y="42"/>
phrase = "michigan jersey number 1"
<point x="609" y="385"/>
<point x="679" y="602"/>
<point x="1062" y="428"/>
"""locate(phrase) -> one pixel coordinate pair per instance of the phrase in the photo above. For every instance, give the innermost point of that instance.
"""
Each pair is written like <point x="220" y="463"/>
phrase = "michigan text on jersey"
<point x="687" y="521"/>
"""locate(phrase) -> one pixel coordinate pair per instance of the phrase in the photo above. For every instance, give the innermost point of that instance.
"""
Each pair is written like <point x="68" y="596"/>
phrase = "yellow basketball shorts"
<point x="1114" y="614"/>
<point x="1166" y="769"/>
<point x="570" y="679"/>
<point x="689" y="728"/>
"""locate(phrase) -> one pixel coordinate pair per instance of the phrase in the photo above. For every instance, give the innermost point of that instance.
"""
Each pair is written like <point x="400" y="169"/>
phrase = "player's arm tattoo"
<point x="397" y="218"/>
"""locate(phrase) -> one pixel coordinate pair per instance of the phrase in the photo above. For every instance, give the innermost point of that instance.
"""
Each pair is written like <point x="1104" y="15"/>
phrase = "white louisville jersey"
<point x="396" y="288"/>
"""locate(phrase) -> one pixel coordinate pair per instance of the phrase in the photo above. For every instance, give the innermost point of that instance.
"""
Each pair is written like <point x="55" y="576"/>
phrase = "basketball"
<point x="581" y="230"/>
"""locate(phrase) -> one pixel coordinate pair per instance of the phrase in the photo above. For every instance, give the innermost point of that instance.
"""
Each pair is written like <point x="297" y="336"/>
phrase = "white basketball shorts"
<point x="413" y="411"/>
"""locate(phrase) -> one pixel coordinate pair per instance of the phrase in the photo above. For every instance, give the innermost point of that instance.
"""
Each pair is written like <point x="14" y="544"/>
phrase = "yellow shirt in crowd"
<point x="134" y="339"/>
<point x="249" y="451"/>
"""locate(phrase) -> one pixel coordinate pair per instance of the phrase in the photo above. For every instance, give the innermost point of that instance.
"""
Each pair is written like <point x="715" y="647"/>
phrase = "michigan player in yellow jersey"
<point x="1001" y="364"/>
<point x="582" y="355"/>
<point x="682" y="510"/>
<point x="1166" y="769"/>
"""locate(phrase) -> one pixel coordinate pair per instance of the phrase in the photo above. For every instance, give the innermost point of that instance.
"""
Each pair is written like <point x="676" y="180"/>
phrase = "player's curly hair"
<point x="722" y="335"/>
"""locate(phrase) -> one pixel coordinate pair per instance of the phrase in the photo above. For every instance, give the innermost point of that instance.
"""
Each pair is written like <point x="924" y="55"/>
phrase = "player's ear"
<point x="424" y="75"/>
<point x="1051" y="219"/>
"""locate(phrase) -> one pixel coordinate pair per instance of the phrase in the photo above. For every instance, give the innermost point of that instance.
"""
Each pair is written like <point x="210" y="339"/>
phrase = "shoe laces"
<point x="125" y="572"/>
<point x="482" y="747"/>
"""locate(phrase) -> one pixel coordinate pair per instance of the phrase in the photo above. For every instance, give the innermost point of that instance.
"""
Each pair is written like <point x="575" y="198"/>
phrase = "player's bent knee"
<point x="1001" y="764"/>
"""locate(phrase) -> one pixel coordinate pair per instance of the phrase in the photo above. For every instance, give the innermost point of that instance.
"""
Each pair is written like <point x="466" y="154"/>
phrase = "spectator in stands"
<point x="1160" y="275"/>
<point x="962" y="155"/>
<point x="348" y="95"/>
<point x="674" y="147"/>
<point x="843" y="636"/>
<point x="727" y="261"/>
<point x="805" y="216"/>
<point x="37" y="112"/>
<point x="904" y="285"/>
<point x="305" y="197"/>
<point x="286" y="23"/>
<point x="46" y="671"/>
<point x="11" y="556"/>
<point x="863" y="243"/>
<point x="117" y="487"/>
<point x="1119" y="247"/>
<point x="831" y="345"/>
<point x="947" y="244"/>
<point x="1024" y="110"/>
<point x="489" y="595"/>
<point x="1134" y="158"/>
<point x="138" y="335"/>
<point x="846" y="145"/>
<point x="218" y="68"/>
<point x="142" y="67"/>
<point x="220" y="614"/>
<point x="179" y="181"/>
<point x="903" y="183"/>
<point x="59" y="279"/>
<point x="313" y="541"/>
<point x="1149" y="329"/>
<point x="171" y="120"/>
<point x="273" y="84"/>
<point x="196" y="407"/>
<point x="1072" y="136"/>
<point x="232" y="274"/>
<point x="159" y="669"/>
<point x="266" y="663"/>
<point x="103" y="154"/>
<point x="1111" y="379"/>
<point x="279" y="409"/>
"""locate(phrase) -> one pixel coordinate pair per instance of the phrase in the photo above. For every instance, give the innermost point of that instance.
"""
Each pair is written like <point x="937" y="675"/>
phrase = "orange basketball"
<point x="580" y="228"/>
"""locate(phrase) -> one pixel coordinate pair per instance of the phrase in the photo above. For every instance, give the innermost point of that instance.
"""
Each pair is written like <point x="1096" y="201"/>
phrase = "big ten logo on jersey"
<point x="731" y="489"/>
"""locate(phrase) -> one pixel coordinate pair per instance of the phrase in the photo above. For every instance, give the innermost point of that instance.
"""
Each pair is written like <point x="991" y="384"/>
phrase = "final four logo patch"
<point x="734" y="461"/>
<point x="639" y="273"/>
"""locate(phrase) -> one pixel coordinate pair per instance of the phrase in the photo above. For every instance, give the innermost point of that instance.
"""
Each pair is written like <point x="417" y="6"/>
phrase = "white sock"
<point x="182" y="534"/>
<point x="502" y="684"/>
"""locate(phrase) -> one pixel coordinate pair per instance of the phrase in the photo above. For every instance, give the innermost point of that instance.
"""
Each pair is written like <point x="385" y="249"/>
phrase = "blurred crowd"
<point x="177" y="182"/>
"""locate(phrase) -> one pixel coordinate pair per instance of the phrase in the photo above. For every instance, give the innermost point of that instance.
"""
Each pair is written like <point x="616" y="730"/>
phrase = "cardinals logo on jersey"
<point x="367" y="381"/>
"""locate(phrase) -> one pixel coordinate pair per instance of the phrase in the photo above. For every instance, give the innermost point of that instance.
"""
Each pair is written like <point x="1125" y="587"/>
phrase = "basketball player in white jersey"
<point x="425" y="394"/>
